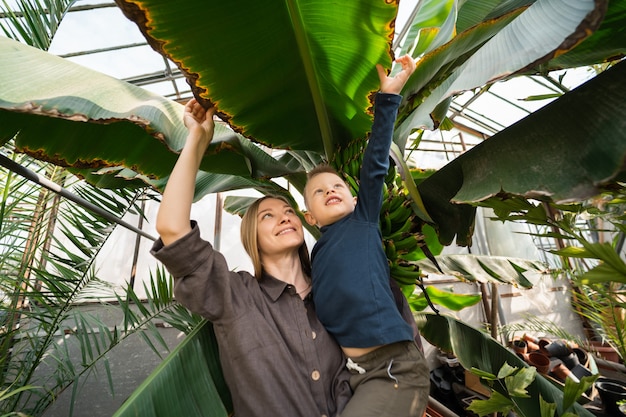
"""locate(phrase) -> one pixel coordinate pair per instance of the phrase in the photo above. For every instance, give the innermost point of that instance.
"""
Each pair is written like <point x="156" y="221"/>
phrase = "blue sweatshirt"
<point x="351" y="288"/>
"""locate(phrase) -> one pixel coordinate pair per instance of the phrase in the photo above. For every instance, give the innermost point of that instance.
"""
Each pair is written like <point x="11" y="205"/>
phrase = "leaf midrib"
<point x="304" y="49"/>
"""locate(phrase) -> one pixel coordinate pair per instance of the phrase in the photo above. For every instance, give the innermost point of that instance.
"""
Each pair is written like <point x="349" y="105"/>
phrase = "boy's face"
<point x="328" y="199"/>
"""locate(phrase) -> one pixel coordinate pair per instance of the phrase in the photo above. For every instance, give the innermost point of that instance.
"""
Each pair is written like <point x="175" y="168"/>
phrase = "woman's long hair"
<point x="249" y="232"/>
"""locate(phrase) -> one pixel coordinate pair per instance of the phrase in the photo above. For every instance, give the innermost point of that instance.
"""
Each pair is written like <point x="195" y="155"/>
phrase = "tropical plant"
<point x="509" y="195"/>
<point x="34" y="22"/>
<point x="205" y="392"/>
<point x="47" y="267"/>
<point x="319" y="94"/>
<point x="48" y="249"/>
<point x="515" y="381"/>
<point x="590" y="237"/>
<point x="515" y="386"/>
<point x="45" y="274"/>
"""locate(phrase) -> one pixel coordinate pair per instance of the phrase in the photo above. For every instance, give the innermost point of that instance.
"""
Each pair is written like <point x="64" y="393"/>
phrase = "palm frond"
<point x="44" y="282"/>
<point x="539" y="326"/>
<point x="35" y="22"/>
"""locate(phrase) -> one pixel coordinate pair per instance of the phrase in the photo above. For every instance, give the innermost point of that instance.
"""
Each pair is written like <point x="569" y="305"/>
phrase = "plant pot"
<point x="561" y="372"/>
<point x="557" y="348"/>
<point x="583" y="358"/>
<point x="580" y="371"/>
<point x="570" y="360"/>
<point x="604" y="350"/>
<point x="532" y="343"/>
<point x="519" y="346"/>
<point x="431" y="413"/>
<point x="611" y="392"/>
<point x="542" y="343"/>
<point x="539" y="361"/>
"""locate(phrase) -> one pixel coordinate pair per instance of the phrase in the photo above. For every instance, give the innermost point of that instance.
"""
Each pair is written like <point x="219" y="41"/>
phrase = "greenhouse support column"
<point x="133" y="271"/>
<point x="494" y="310"/>
<point x="219" y="206"/>
<point x="485" y="300"/>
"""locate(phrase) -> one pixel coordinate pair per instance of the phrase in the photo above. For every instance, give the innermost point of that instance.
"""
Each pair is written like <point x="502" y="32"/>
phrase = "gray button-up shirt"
<point x="277" y="358"/>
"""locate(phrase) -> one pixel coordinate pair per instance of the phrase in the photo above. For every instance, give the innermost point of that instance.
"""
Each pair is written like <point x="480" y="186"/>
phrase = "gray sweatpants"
<point x="394" y="382"/>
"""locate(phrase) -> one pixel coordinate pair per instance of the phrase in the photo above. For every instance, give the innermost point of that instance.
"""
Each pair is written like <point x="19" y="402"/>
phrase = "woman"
<point x="277" y="358"/>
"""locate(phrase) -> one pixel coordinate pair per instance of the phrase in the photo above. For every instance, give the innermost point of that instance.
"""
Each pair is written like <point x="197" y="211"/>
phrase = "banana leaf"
<point x="304" y="84"/>
<point x="289" y="74"/>
<point x="431" y="24"/>
<point x="447" y="299"/>
<point x="566" y="151"/>
<point x="607" y="43"/>
<point x="493" y="50"/>
<point x="67" y="114"/>
<point x="56" y="106"/>
<point x="475" y="349"/>
<point x="189" y="382"/>
<point x="483" y="268"/>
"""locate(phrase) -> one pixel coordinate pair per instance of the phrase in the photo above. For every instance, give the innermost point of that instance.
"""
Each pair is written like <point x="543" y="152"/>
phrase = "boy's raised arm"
<point x="173" y="218"/>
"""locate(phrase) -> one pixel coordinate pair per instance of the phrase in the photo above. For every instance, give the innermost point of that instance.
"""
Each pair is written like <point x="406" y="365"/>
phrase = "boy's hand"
<point x="393" y="85"/>
<point x="199" y="122"/>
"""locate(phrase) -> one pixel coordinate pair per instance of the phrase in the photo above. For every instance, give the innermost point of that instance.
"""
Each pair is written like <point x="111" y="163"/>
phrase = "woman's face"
<point x="279" y="229"/>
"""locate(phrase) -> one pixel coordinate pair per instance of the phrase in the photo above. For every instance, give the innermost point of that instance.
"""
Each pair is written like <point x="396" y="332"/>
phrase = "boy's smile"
<point x="333" y="200"/>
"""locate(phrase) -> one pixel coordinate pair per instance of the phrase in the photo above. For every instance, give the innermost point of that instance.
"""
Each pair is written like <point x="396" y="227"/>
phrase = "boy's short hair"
<point x="319" y="169"/>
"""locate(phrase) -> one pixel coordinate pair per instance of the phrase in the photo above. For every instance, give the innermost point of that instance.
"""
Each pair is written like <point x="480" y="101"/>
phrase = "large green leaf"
<point x="565" y="151"/>
<point x="188" y="383"/>
<point x="493" y="50"/>
<point x="475" y="349"/>
<point x="79" y="118"/>
<point x="291" y="74"/>
<point x="607" y="43"/>
<point x="474" y="12"/>
<point x="555" y="140"/>
<point x="450" y="300"/>
<point x="483" y="268"/>
<point x="304" y="84"/>
<point x="306" y="72"/>
<point x="51" y="104"/>
<point x="433" y="23"/>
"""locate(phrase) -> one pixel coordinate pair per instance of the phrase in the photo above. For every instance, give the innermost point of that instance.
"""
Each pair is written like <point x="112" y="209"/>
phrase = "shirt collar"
<point x="342" y="220"/>
<point x="272" y="286"/>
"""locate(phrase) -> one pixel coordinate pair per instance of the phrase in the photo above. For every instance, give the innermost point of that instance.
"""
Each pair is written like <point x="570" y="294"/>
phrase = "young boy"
<point x="351" y="276"/>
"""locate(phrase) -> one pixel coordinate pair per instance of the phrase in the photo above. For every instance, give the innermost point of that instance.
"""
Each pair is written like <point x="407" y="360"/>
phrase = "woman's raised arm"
<point x="175" y="210"/>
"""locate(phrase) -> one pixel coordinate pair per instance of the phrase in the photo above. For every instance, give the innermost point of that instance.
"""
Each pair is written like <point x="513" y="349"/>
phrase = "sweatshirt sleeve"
<point x="202" y="281"/>
<point x="376" y="156"/>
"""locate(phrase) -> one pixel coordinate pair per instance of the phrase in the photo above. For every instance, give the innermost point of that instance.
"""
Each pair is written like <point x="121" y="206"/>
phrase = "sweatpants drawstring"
<point x="395" y="385"/>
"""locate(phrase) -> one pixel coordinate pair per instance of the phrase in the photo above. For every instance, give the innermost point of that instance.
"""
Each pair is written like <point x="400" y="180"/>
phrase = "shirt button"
<point x="315" y="375"/>
<point x="313" y="335"/>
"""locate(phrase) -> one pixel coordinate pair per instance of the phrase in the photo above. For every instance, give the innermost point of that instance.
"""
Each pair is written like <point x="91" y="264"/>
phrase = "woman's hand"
<point x="199" y="123"/>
